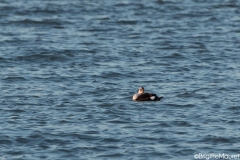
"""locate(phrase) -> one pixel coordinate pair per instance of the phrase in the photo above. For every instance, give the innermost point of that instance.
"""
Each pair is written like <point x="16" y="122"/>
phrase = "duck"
<point x="142" y="96"/>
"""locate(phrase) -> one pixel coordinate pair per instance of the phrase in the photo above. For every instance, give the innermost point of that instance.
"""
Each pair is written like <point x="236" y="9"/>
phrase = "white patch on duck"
<point x="142" y="96"/>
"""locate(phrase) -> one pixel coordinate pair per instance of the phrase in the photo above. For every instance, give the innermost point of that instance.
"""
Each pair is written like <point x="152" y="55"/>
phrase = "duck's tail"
<point x="159" y="98"/>
<point x="154" y="97"/>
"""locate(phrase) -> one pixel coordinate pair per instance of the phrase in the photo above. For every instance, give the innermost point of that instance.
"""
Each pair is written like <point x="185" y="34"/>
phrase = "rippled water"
<point x="69" y="70"/>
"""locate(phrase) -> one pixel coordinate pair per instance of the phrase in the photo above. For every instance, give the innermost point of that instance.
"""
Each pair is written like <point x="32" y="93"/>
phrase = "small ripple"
<point x="15" y="153"/>
<point x="85" y="137"/>
<point x="174" y="56"/>
<point x="30" y="22"/>
<point x="181" y="123"/>
<point x="110" y="140"/>
<point x="5" y="140"/>
<point x="14" y="78"/>
<point x="111" y="155"/>
<point x="218" y="140"/>
<point x="185" y="152"/>
<point x="16" y="110"/>
<point x="22" y="140"/>
<point x="180" y="105"/>
<point x="44" y="56"/>
<point x="234" y="108"/>
<point x="127" y="22"/>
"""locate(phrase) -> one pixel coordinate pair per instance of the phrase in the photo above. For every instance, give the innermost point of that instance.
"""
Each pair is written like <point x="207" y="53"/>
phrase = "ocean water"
<point x="69" y="69"/>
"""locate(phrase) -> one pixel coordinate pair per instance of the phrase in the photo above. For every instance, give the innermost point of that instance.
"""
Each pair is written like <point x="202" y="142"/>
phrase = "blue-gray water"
<point x="69" y="69"/>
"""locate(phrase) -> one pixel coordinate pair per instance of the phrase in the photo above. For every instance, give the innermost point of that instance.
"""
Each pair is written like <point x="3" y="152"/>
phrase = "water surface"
<point x="69" y="70"/>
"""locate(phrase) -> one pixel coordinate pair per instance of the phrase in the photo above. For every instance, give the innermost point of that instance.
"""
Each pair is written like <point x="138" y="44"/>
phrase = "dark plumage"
<point x="141" y="96"/>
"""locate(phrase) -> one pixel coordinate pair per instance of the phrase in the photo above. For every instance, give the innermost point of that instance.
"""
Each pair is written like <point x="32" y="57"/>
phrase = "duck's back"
<point x="146" y="97"/>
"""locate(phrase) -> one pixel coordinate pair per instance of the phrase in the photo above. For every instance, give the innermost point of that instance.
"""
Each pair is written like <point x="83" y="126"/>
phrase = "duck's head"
<point x="141" y="90"/>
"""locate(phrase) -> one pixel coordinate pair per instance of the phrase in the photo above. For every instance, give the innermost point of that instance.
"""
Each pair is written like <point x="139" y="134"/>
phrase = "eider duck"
<point x="141" y="96"/>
